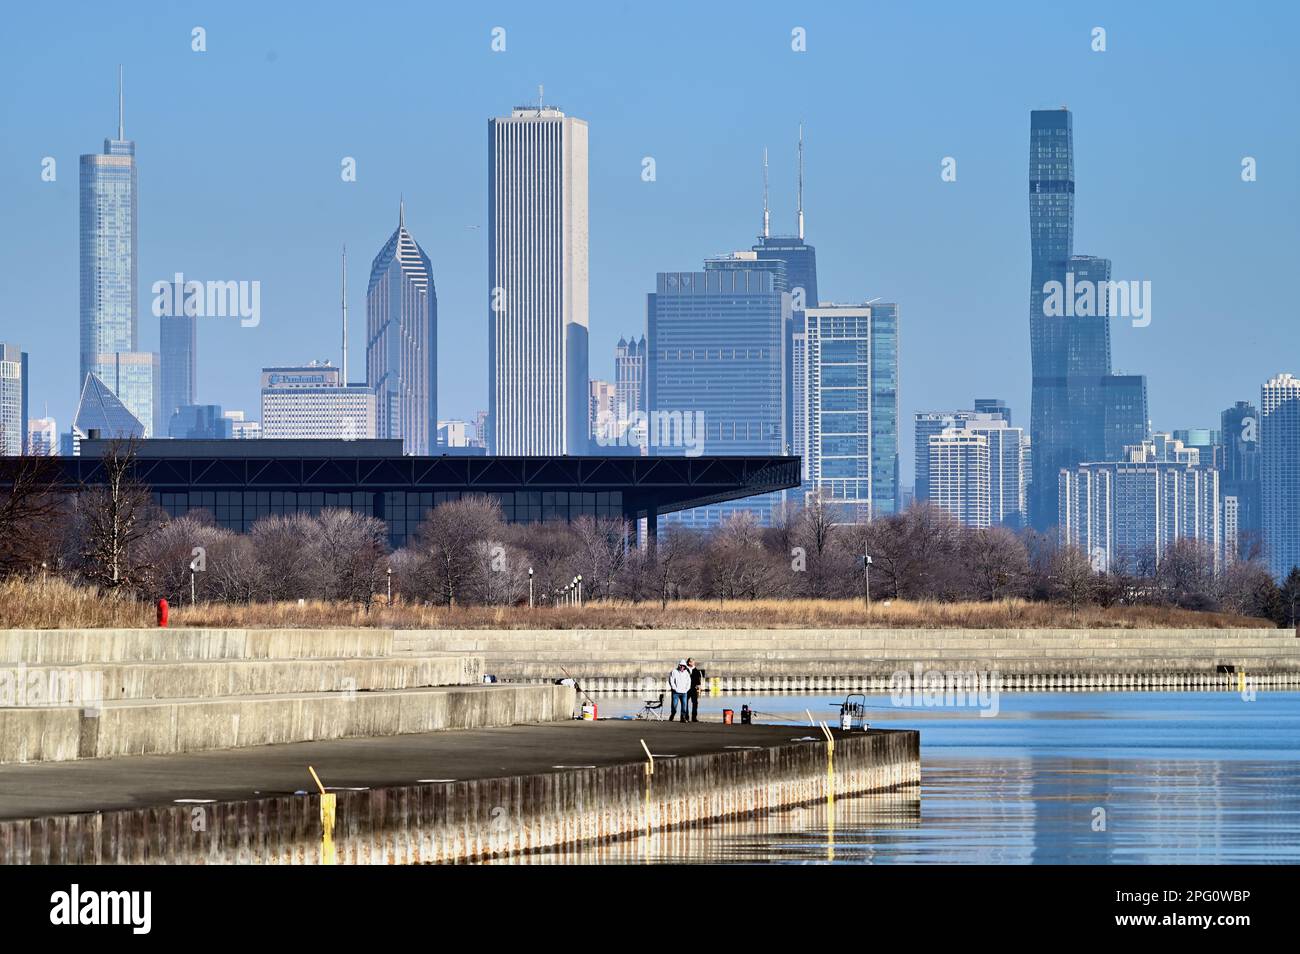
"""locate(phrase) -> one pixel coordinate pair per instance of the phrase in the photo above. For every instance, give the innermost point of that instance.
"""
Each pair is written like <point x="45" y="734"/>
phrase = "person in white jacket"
<point x="679" y="683"/>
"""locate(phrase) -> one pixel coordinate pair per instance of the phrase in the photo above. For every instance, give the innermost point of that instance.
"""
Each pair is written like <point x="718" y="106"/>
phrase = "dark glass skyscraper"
<point x="1080" y="412"/>
<point x="1239" y="429"/>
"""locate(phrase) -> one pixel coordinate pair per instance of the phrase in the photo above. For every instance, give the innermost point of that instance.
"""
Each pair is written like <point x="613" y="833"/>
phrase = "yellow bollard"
<point x="328" y="813"/>
<point x="715" y="685"/>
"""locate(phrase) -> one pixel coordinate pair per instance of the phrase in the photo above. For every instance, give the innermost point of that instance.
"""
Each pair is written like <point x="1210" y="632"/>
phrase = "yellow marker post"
<point x="649" y="771"/>
<point x="830" y="791"/>
<point x="715" y="685"/>
<point x="328" y="813"/>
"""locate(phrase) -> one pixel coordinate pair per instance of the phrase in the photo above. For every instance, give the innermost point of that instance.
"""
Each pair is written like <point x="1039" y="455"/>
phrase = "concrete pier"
<point x="440" y="797"/>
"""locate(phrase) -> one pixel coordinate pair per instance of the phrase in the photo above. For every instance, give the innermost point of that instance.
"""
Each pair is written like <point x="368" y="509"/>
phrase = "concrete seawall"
<point x="771" y="660"/>
<point x="763" y="769"/>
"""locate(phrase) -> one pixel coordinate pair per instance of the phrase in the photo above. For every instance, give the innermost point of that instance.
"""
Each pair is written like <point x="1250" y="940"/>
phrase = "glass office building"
<point x="717" y="356"/>
<point x="1080" y="411"/>
<point x="179" y="354"/>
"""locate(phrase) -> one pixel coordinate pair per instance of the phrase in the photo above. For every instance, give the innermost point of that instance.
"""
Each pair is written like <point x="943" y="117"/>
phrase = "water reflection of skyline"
<point x="1193" y="778"/>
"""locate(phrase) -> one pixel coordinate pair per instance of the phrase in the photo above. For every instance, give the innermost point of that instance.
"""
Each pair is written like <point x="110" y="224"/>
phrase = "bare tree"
<point x="1073" y="577"/>
<point x="449" y="537"/>
<point x="113" y="515"/>
<point x="29" y="510"/>
<point x="996" y="562"/>
<point x="346" y="551"/>
<point x="602" y="550"/>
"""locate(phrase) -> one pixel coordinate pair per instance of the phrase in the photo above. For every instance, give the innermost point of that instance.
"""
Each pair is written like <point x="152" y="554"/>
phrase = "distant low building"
<point x="242" y="429"/>
<point x="199" y="422"/>
<point x="42" y="437"/>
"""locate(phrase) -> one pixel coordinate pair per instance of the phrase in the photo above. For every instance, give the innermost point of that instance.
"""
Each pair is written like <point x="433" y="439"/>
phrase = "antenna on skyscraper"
<point x="121" y="107"/>
<point x="767" y="216"/>
<point x="401" y="211"/>
<point x="540" y="98"/>
<point x="345" y="314"/>
<point x="801" y="180"/>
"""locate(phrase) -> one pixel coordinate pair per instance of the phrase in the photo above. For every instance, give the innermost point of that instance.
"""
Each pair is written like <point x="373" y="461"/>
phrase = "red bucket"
<point x="728" y="716"/>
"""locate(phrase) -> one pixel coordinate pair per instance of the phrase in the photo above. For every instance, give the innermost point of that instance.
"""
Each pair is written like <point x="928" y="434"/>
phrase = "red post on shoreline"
<point x="162" y="613"/>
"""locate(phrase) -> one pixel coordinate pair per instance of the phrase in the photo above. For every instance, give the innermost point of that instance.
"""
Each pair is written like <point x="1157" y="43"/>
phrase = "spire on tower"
<point x="345" y="315"/>
<point x="401" y="212"/>
<point x="121" y="107"/>
<point x="767" y="216"/>
<point x="801" y="180"/>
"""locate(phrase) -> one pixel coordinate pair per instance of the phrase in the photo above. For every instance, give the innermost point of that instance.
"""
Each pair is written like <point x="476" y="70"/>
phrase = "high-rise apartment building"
<point x="311" y="401"/>
<point x="401" y="344"/>
<point x="1279" y="472"/>
<point x="602" y="409"/>
<point x="960" y="475"/>
<point x="13" y="400"/>
<point x="850" y="408"/>
<point x="1126" y="514"/>
<point x="537" y="283"/>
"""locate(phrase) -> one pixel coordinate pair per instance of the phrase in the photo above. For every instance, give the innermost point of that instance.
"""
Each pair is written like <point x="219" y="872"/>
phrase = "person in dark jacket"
<point x="697" y="677"/>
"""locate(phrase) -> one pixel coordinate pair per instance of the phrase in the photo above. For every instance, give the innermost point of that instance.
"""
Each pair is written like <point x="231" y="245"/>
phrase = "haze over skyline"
<point x="239" y="151"/>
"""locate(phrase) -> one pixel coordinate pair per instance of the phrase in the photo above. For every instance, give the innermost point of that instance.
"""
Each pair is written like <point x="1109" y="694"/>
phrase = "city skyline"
<point x="1167" y="351"/>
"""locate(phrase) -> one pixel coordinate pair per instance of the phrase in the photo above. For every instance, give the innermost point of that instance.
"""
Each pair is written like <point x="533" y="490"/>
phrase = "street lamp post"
<point x="389" y="574"/>
<point x="866" y="580"/>
<point x="191" y="584"/>
<point x="579" y="589"/>
<point x="530" y="587"/>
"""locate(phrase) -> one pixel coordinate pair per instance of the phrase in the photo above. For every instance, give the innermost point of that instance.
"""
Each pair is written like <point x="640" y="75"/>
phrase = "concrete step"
<point x="91" y="683"/>
<point x="74" y="646"/>
<point x="146" y="727"/>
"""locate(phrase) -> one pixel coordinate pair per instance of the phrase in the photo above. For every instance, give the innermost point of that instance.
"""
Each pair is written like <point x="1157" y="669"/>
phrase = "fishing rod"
<point x="577" y="686"/>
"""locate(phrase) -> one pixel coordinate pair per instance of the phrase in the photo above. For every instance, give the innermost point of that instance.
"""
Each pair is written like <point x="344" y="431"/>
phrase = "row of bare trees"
<point x="111" y="534"/>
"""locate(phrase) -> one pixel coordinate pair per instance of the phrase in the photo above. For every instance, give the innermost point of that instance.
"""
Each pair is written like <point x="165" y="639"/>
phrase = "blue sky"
<point x="239" y="152"/>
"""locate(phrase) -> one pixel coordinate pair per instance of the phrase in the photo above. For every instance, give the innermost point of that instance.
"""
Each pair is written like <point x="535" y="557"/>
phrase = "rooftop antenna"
<point x="345" y="314"/>
<point x="540" y="99"/>
<point x="401" y="212"/>
<point x="801" y="180"/>
<point x="767" y="216"/>
<point x="121" y="107"/>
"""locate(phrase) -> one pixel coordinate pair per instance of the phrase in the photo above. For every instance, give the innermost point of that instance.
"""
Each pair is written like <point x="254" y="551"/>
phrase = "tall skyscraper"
<point x="537" y="282"/>
<point x="1279" y="472"/>
<point x="178" y="358"/>
<point x="717" y="362"/>
<point x="850" y="443"/>
<point x="1239" y="432"/>
<point x="13" y="400"/>
<point x="800" y="261"/>
<point x="1080" y="411"/>
<point x="311" y="401"/>
<point x="109" y="279"/>
<point x="402" y="342"/>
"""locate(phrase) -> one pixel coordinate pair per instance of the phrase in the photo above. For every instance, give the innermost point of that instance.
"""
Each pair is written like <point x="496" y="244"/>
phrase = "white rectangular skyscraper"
<point x="537" y="278"/>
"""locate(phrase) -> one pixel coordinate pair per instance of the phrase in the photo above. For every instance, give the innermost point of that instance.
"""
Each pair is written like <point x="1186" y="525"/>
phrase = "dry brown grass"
<point x="55" y="604"/>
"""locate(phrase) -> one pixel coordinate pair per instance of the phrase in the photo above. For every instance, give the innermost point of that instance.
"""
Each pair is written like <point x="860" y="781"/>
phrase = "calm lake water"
<point x="1053" y="778"/>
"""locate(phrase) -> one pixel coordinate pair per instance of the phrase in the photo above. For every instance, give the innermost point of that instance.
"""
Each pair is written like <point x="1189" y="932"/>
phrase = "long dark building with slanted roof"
<point x="238" y="482"/>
